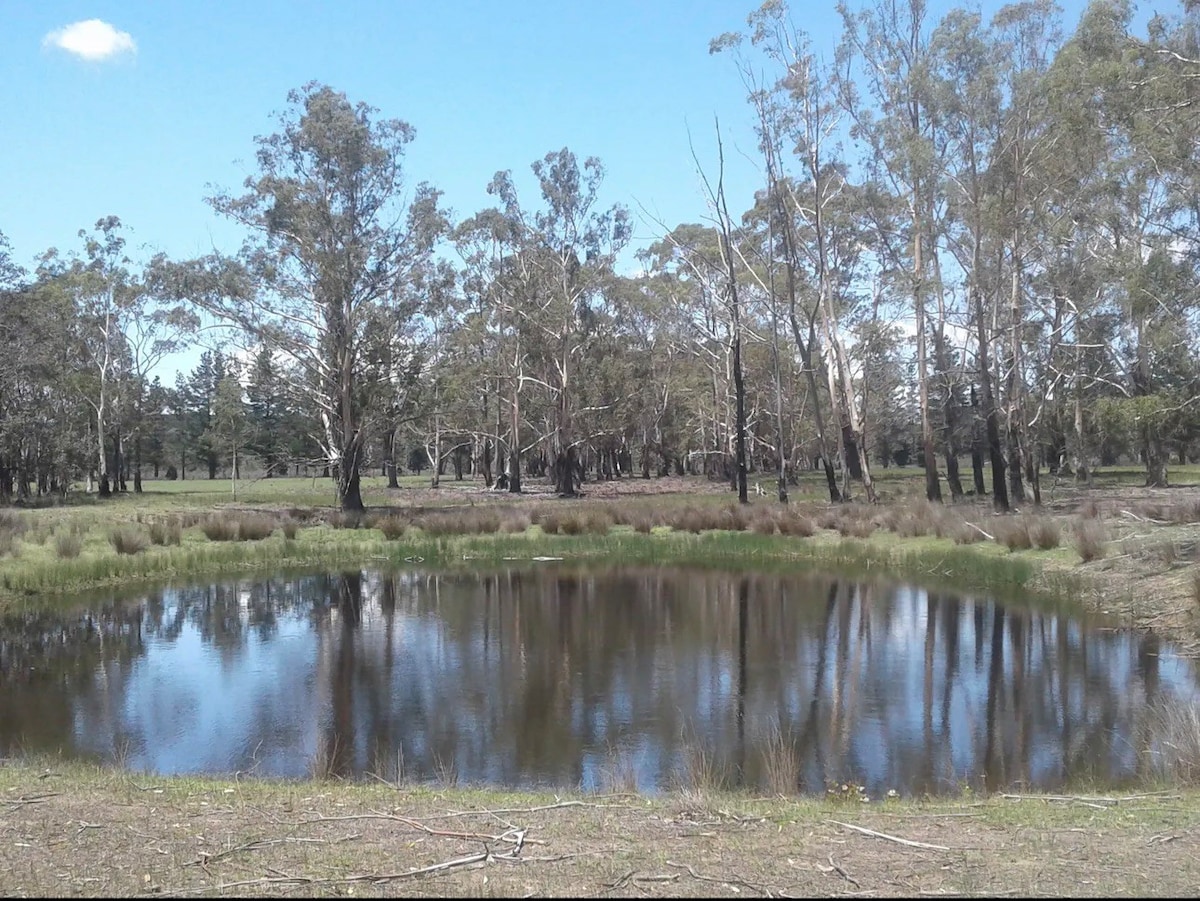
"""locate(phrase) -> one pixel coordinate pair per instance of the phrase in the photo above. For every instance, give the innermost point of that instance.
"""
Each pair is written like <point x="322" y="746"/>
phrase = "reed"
<point x="128" y="540"/>
<point x="1091" y="539"/>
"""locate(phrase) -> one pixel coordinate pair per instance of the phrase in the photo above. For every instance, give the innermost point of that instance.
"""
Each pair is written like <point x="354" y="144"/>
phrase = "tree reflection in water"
<point x="526" y="677"/>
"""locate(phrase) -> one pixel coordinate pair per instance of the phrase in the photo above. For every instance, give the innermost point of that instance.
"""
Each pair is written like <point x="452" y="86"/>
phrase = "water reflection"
<point x="545" y="676"/>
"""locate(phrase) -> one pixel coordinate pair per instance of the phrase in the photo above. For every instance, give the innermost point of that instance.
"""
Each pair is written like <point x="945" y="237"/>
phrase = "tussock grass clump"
<point x="596" y="522"/>
<point x="12" y="527"/>
<point x="781" y="763"/>
<point x="550" y="523"/>
<point x="1167" y="551"/>
<point x="829" y="519"/>
<point x="1090" y="509"/>
<point x="1091" y="539"/>
<point x="795" y="524"/>
<point x="255" y="527"/>
<point x="218" y="528"/>
<point x="514" y="523"/>
<point x="437" y="524"/>
<point x="692" y="519"/>
<point x="966" y="533"/>
<point x="618" y="774"/>
<point x="1174" y="743"/>
<point x="642" y="524"/>
<point x="918" y="521"/>
<point x="392" y="527"/>
<point x="166" y="532"/>
<point x="765" y="525"/>
<point x="1045" y="533"/>
<point x="572" y="524"/>
<point x="734" y="518"/>
<point x="67" y="545"/>
<point x="290" y="527"/>
<point x="1014" y="534"/>
<point x="126" y="540"/>
<point x="851" y="527"/>
<point x="700" y="771"/>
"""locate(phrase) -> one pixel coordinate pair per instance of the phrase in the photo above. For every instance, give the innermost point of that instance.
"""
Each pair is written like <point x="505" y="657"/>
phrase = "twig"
<point x="24" y="801"/>
<point x="1089" y="800"/>
<point x="833" y="863"/>
<point x="890" y="838"/>
<point x="512" y="834"/>
<point x="205" y="858"/>
<point x="734" y="880"/>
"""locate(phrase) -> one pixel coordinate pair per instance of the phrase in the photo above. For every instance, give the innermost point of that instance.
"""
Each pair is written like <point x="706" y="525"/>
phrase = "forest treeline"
<point x="973" y="248"/>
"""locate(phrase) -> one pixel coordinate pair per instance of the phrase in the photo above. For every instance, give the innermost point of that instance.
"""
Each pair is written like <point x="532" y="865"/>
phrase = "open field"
<point x="72" y="829"/>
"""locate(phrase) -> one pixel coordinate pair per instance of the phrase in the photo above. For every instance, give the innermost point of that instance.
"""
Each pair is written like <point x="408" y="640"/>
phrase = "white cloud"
<point x="91" y="39"/>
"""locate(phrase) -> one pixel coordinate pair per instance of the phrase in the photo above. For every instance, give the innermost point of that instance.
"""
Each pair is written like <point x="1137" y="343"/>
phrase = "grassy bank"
<point x="1125" y="553"/>
<point x="241" y="837"/>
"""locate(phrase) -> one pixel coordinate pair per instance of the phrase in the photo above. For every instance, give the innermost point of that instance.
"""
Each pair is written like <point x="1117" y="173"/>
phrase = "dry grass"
<point x="618" y="773"/>
<point x="128" y="540"/>
<point x="1045" y="533"/>
<point x="781" y="763"/>
<point x="67" y="545"/>
<point x="392" y="527"/>
<point x="515" y="523"/>
<point x="1175" y="742"/>
<point x="1013" y="533"/>
<point x="166" y="532"/>
<point x="217" y="528"/>
<point x="290" y="528"/>
<point x="1091" y="539"/>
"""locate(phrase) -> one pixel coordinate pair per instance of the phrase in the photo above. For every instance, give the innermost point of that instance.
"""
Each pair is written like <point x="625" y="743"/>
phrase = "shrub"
<point x="68" y="545"/>
<point x="127" y="540"/>
<point x="1090" y="539"/>
<point x="172" y="473"/>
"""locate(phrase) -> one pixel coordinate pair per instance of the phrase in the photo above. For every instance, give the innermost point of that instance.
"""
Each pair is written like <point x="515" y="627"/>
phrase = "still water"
<point x="575" y="678"/>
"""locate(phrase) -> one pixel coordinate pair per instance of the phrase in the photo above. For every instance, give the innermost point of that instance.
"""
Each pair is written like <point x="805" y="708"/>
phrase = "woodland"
<point x="973" y="251"/>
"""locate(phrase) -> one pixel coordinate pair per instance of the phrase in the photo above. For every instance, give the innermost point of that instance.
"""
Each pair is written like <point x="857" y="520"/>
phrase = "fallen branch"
<point x="24" y="801"/>
<point x="981" y="532"/>
<point x="889" y="838"/>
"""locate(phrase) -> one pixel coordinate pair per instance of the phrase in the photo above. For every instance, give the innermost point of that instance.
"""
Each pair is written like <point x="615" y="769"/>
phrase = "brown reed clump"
<point x="795" y="524"/>
<point x="67" y="545"/>
<point x="165" y="532"/>
<point x="254" y="527"/>
<point x="1045" y="533"/>
<point x="1091" y="539"/>
<point x="392" y="527"/>
<point x="1014" y="534"/>
<point x="128" y="540"/>
<point x="514" y="523"/>
<point x="290" y="527"/>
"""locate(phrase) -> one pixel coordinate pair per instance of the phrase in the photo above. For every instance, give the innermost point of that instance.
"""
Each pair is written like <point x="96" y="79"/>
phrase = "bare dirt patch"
<point x="98" y="832"/>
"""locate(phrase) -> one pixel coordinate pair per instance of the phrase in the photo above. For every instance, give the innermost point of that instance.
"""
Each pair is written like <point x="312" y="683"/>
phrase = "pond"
<point x="601" y="679"/>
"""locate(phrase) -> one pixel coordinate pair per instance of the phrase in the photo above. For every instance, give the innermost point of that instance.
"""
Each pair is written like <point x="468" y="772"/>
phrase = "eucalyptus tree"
<point x="817" y="215"/>
<point x="968" y="102"/>
<point x="107" y="299"/>
<point x="883" y="58"/>
<point x="564" y="257"/>
<point x="333" y="238"/>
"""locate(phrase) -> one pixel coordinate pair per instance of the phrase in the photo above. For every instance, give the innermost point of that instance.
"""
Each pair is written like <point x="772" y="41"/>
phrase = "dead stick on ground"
<point x="890" y="838"/>
<point x="732" y="880"/>
<point x="981" y="532"/>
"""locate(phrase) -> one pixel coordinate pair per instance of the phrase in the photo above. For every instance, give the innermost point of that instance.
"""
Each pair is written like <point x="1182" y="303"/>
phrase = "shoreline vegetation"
<point x="1128" y="554"/>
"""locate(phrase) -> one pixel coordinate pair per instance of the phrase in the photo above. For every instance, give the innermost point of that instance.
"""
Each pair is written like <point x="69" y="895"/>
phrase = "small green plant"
<point x="127" y="540"/>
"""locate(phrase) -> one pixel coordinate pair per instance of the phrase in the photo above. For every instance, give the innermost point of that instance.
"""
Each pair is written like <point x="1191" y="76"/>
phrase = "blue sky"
<point x="142" y="133"/>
